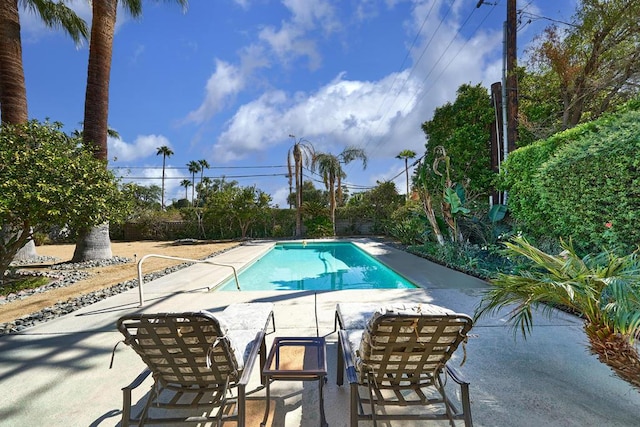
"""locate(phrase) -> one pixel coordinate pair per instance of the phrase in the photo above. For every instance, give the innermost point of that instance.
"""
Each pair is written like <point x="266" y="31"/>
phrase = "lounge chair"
<point x="395" y="359"/>
<point x="196" y="360"/>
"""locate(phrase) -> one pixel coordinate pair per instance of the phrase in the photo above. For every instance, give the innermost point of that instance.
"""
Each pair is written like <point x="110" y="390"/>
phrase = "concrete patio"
<point x="58" y="372"/>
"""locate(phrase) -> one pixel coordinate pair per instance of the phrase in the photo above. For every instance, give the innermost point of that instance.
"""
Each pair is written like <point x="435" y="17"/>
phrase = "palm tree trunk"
<point x="95" y="244"/>
<point x="406" y="172"/>
<point x="616" y="351"/>
<point x="332" y="203"/>
<point x="13" y="92"/>
<point x="164" y="158"/>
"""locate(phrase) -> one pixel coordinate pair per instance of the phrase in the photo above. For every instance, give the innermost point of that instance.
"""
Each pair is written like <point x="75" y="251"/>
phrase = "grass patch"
<point x="17" y="284"/>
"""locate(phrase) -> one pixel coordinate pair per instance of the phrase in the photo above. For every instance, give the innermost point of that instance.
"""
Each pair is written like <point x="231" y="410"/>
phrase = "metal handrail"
<point x="197" y="261"/>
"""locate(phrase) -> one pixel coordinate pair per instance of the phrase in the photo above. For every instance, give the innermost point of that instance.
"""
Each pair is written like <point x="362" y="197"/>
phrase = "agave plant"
<point x="603" y="288"/>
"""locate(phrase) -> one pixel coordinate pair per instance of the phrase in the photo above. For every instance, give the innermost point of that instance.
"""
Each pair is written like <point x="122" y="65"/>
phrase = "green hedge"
<point x="576" y="183"/>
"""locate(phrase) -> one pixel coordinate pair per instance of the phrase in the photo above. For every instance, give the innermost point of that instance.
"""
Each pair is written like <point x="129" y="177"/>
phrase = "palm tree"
<point x="13" y="93"/>
<point x="330" y="168"/>
<point x="406" y="155"/>
<point x="301" y="153"/>
<point x="194" y="168"/>
<point x="166" y="152"/>
<point x="186" y="184"/>
<point x="203" y="164"/>
<point x="95" y="243"/>
<point x="602" y="288"/>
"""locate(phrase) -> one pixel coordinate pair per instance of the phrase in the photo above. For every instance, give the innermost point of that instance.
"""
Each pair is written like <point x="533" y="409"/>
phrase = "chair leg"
<point x="466" y="404"/>
<point x="354" y="405"/>
<point x="242" y="396"/>
<point x="340" y="364"/>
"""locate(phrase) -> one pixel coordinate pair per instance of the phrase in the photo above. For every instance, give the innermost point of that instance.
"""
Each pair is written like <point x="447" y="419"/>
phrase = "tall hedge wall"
<point x="583" y="183"/>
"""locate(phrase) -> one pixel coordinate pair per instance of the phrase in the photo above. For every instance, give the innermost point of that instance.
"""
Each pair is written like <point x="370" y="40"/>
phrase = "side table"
<point x="312" y="366"/>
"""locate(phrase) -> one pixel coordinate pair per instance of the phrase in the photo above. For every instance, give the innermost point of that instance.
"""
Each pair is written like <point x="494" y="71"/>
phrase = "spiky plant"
<point x="603" y="288"/>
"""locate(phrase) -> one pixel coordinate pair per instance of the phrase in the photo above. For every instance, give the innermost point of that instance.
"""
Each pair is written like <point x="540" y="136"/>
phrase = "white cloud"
<point x="143" y="146"/>
<point x="344" y="112"/>
<point x="224" y="83"/>
<point x="279" y="197"/>
<point x="289" y="43"/>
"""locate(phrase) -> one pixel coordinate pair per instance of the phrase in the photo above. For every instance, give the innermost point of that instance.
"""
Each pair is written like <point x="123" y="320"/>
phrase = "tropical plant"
<point x="48" y="179"/>
<point x="406" y="155"/>
<point x="603" y="288"/>
<point x="95" y="243"/>
<point x="300" y="154"/>
<point x="166" y="152"/>
<point x="330" y="168"/>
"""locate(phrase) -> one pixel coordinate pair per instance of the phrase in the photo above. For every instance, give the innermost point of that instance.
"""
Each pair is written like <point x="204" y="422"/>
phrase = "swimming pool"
<point x="316" y="266"/>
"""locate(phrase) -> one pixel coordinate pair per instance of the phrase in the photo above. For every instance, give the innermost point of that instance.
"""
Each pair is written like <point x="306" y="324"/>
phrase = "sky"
<point x="237" y="82"/>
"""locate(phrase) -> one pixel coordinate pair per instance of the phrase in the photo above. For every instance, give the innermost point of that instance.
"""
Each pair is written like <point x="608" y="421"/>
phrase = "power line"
<point x="186" y="168"/>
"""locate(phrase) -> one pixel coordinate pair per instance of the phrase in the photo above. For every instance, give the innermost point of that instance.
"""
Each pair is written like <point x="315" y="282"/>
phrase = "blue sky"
<point x="229" y="80"/>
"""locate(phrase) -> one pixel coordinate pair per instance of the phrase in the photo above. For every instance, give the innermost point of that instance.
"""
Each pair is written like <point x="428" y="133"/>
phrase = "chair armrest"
<point x="139" y="380"/>
<point x="456" y="376"/>
<point x="251" y="360"/>
<point x="347" y="357"/>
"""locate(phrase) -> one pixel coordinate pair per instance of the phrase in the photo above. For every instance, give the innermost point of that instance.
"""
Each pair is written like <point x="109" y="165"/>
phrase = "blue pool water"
<point x="316" y="266"/>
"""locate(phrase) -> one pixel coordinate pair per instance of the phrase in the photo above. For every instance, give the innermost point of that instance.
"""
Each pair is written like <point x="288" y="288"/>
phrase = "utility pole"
<point x="512" y="78"/>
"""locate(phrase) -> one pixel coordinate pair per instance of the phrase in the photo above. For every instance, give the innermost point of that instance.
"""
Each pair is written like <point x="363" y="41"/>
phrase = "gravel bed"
<point x="69" y="274"/>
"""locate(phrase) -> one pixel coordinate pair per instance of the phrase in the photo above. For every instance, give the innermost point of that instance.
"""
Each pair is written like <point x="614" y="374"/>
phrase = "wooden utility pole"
<point x="512" y="80"/>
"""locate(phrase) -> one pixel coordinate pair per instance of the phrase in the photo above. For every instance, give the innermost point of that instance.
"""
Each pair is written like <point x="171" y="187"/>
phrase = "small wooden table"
<point x="286" y="364"/>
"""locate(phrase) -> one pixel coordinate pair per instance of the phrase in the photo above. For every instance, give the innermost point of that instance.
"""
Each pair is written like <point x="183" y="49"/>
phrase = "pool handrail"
<point x="197" y="261"/>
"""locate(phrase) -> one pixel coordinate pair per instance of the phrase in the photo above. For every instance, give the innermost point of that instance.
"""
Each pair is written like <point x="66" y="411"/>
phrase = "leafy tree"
<point x="590" y="67"/>
<point x="243" y="205"/>
<point x="330" y="168"/>
<point x="48" y="179"/>
<point x="406" y="155"/>
<point x="166" y="152"/>
<point x="300" y="154"/>
<point x="95" y="243"/>
<point x="462" y="128"/>
<point x="602" y="287"/>
<point x="310" y="193"/>
<point x="142" y="198"/>
<point x="377" y="205"/>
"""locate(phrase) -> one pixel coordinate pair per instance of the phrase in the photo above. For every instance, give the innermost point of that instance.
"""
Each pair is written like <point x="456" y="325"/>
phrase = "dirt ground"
<point x="104" y="277"/>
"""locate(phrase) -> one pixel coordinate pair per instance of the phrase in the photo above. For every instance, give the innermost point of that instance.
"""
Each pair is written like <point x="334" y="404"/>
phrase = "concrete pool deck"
<point x="58" y="372"/>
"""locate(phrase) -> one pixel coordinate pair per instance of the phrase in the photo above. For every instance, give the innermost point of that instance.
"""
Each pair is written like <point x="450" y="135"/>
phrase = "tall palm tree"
<point x="186" y="184"/>
<point x="203" y="165"/>
<point x="330" y="168"/>
<point x="406" y="155"/>
<point x="301" y="153"/>
<point x="13" y="92"/>
<point x="166" y="152"/>
<point x="194" y="168"/>
<point x="95" y="243"/>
